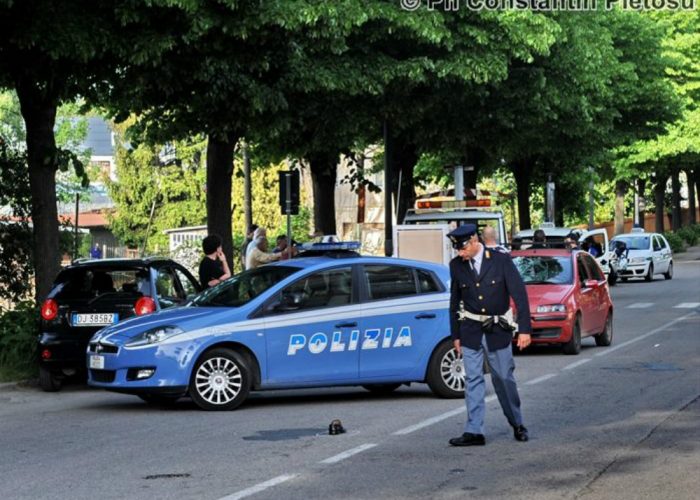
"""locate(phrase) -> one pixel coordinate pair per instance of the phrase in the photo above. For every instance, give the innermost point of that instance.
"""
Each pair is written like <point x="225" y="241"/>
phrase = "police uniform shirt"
<point x="486" y="293"/>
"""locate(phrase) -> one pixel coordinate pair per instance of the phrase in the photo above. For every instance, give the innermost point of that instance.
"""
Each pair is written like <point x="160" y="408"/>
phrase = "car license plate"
<point x="97" y="362"/>
<point x="95" y="319"/>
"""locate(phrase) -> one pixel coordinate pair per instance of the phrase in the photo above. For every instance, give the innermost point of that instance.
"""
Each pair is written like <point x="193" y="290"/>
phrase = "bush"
<point x="675" y="241"/>
<point x="696" y="229"/>
<point x="18" y="332"/>
<point x="688" y="234"/>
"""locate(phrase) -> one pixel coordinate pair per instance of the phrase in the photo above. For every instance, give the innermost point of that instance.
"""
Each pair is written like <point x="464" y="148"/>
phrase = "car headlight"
<point x="154" y="335"/>
<point x="552" y="308"/>
<point x="639" y="260"/>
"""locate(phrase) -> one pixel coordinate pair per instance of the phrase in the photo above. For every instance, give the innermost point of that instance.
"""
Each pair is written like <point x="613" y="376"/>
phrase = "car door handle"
<point x="346" y="325"/>
<point x="425" y="316"/>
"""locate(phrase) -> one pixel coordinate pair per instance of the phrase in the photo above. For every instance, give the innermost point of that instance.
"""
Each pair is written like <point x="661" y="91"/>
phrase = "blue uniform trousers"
<point x="502" y="367"/>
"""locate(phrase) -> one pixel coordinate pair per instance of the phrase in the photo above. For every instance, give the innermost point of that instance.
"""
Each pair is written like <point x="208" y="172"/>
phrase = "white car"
<point x="648" y="254"/>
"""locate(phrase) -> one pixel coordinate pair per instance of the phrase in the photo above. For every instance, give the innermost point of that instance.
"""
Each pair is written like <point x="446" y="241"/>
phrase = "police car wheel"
<point x="604" y="338"/>
<point x="381" y="388"/>
<point x="669" y="273"/>
<point x="446" y="371"/>
<point x="221" y="380"/>
<point x="573" y="346"/>
<point x="650" y="273"/>
<point x="612" y="278"/>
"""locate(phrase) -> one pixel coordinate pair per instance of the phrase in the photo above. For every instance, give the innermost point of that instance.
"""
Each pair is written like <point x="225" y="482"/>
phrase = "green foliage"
<point x="174" y="189"/>
<point x="18" y="328"/>
<point x="15" y="233"/>
<point x="266" y="208"/>
<point x="675" y="241"/>
<point x="689" y="234"/>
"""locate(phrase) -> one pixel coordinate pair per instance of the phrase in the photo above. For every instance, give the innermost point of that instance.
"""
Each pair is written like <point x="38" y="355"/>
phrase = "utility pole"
<point x="591" y="201"/>
<point x="247" y="188"/>
<point x="388" y="212"/>
<point x="549" y="216"/>
<point x="75" y="226"/>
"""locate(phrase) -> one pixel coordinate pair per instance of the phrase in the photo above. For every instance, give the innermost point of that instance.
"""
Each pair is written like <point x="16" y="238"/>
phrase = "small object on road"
<point x="335" y="427"/>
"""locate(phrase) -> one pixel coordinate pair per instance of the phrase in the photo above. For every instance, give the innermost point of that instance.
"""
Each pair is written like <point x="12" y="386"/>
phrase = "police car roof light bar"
<point x="341" y="245"/>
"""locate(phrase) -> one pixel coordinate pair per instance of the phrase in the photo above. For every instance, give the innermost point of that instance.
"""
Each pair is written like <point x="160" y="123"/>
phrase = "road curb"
<point x="8" y="385"/>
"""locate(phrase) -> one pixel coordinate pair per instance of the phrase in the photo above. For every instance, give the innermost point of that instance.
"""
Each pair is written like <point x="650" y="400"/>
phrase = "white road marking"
<point x="687" y="305"/>
<point x="259" y="487"/>
<point x="430" y="421"/>
<point x="578" y="363"/>
<point x="640" y="305"/>
<point x="347" y="454"/>
<point x="641" y="337"/>
<point x="541" y="379"/>
<point x="436" y="419"/>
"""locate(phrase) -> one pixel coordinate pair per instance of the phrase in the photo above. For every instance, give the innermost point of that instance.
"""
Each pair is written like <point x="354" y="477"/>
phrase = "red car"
<point x="568" y="295"/>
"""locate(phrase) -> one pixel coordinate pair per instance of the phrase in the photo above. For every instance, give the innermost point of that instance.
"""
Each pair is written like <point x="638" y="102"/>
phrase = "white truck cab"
<point x="423" y="234"/>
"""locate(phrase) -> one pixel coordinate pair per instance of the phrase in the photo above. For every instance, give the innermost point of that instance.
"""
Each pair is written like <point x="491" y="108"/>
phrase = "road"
<point x="615" y="422"/>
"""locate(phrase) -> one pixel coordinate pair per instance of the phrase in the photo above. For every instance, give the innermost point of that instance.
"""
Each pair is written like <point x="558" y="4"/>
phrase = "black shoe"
<point x="469" y="439"/>
<point x="520" y="433"/>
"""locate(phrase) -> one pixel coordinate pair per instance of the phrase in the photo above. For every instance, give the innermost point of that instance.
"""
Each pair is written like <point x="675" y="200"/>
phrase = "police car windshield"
<point x="635" y="242"/>
<point x="243" y="287"/>
<point x="544" y="270"/>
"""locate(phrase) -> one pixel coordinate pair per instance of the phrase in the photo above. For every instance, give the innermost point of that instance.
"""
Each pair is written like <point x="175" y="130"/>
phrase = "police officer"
<point x="481" y="323"/>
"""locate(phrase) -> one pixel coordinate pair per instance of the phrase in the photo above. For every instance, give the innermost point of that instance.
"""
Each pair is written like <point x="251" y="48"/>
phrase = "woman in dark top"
<point x="213" y="269"/>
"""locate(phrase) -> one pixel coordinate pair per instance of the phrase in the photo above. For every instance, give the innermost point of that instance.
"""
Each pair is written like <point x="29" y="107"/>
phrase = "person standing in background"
<point x="213" y="269"/>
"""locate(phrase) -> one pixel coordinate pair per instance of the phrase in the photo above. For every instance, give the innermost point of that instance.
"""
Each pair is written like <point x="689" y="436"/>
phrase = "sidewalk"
<point x="691" y="253"/>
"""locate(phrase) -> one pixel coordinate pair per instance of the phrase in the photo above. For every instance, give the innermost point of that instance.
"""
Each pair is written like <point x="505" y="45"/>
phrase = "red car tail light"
<point x="45" y="354"/>
<point x="49" y="309"/>
<point x="145" y="305"/>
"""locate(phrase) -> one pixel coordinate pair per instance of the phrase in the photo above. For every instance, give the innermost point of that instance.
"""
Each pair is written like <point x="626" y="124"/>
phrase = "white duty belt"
<point x="463" y="314"/>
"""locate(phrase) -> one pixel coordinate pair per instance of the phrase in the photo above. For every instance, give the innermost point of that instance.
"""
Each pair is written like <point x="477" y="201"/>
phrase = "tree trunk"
<point x="641" y="187"/>
<point x="324" y="168"/>
<point x="676" y="203"/>
<point x="404" y="161"/>
<point x="219" y="181"/>
<point x="690" y="183"/>
<point x="39" y="115"/>
<point x="522" y="173"/>
<point x="620" y="191"/>
<point x="659" y="193"/>
<point x="247" y="188"/>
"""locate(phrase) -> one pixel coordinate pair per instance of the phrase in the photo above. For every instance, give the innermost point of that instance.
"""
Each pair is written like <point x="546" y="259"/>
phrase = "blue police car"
<point x="307" y="322"/>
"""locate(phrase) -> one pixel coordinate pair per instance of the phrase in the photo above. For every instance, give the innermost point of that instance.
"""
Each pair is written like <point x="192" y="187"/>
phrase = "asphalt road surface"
<point x="617" y="422"/>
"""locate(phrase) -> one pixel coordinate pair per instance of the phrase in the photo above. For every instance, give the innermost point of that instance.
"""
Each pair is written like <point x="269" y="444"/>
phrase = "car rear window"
<point x="89" y="282"/>
<point x="544" y="270"/>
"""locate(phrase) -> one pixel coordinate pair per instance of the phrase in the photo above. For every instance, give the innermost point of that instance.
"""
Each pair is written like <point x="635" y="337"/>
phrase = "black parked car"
<point x="91" y="294"/>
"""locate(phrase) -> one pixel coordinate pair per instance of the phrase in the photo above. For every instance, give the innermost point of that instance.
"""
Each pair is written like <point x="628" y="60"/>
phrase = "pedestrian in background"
<point x="246" y="242"/>
<point x="488" y="234"/>
<point x="213" y="269"/>
<point x="539" y="239"/>
<point x="258" y="254"/>
<point x="481" y="323"/>
<point x="281" y="244"/>
<point x="96" y="252"/>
